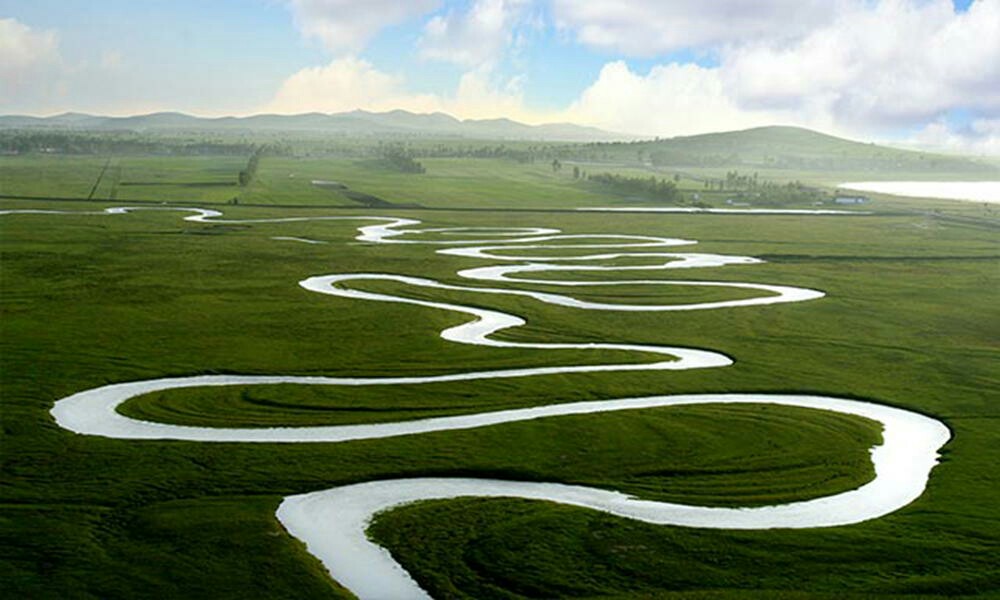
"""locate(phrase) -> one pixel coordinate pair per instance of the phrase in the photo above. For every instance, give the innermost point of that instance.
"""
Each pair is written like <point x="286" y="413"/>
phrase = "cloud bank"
<point x="28" y="58"/>
<point x="853" y="67"/>
<point x="905" y="70"/>
<point x="351" y="83"/>
<point x="652" y="27"/>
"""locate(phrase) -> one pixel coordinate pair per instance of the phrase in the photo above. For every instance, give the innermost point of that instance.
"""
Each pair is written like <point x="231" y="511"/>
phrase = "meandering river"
<point x="332" y="523"/>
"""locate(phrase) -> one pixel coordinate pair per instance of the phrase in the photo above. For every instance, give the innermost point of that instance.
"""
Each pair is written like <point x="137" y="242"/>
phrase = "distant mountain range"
<point x="358" y="122"/>
<point x="772" y="147"/>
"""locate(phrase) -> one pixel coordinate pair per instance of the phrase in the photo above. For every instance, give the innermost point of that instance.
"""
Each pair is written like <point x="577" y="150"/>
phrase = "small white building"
<point x="842" y="199"/>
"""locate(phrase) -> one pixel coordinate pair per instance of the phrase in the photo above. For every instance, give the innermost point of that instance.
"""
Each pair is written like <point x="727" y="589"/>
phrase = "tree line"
<point x="399" y="158"/>
<point x="247" y="175"/>
<point x="64" y="142"/>
<point x="658" y="189"/>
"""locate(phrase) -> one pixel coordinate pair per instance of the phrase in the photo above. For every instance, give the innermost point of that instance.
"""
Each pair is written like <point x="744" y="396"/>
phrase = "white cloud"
<point x="981" y="136"/>
<point x="351" y="83"/>
<point x="895" y="64"/>
<point x="29" y="58"/>
<point x="344" y="84"/>
<point x="650" y="27"/>
<point x="346" y="25"/>
<point x="474" y="37"/>
<point x="483" y="95"/>
<point x="670" y="100"/>
<point x="872" y="70"/>
<point x="875" y="69"/>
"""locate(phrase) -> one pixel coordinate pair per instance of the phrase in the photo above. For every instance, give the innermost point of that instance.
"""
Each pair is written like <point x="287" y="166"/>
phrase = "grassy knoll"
<point x="910" y="320"/>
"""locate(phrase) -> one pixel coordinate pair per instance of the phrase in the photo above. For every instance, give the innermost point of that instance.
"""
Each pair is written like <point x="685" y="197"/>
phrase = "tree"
<point x="576" y="172"/>
<point x="556" y="165"/>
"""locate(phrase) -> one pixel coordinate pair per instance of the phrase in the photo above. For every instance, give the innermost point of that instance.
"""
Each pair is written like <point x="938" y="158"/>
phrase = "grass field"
<point x="150" y="178"/>
<point x="910" y="320"/>
<point x="449" y="183"/>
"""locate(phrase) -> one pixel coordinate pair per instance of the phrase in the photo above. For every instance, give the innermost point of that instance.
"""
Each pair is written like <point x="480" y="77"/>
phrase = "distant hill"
<point x="784" y="147"/>
<point x="358" y="122"/>
<point x="773" y="147"/>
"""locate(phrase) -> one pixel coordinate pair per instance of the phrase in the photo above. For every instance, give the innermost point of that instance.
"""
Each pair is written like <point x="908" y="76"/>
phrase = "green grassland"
<point x="150" y="178"/>
<point x="473" y="183"/>
<point x="449" y="183"/>
<point x="468" y="182"/>
<point x="910" y="320"/>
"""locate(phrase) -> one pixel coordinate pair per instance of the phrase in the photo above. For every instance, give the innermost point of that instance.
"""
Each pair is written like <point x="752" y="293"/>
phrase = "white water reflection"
<point x="974" y="191"/>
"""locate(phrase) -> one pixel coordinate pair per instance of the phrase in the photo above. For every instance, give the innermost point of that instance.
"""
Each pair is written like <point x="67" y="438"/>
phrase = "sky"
<point x="923" y="72"/>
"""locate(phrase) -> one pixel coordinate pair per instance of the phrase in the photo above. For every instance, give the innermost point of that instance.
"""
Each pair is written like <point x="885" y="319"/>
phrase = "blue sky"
<point x="639" y="66"/>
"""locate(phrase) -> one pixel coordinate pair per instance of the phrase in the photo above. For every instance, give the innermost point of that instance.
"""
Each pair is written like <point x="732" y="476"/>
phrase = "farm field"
<point x="909" y="320"/>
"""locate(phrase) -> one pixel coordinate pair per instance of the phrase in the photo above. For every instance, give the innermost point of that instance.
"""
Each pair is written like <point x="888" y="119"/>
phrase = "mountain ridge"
<point x="352" y="122"/>
<point x="770" y="146"/>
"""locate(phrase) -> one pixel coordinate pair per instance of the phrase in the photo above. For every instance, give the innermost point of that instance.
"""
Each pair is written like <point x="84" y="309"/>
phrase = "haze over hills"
<point x="771" y="147"/>
<point x="358" y="122"/>
<point x="784" y="147"/>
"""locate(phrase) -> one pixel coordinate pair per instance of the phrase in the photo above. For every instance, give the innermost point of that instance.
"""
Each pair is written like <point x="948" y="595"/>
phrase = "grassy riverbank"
<point x="909" y="320"/>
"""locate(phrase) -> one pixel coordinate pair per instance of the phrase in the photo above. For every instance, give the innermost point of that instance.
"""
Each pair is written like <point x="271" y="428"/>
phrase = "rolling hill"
<point x="783" y="147"/>
<point x="761" y="148"/>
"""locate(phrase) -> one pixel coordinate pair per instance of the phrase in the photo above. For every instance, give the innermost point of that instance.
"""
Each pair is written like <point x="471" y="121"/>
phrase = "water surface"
<point x="974" y="191"/>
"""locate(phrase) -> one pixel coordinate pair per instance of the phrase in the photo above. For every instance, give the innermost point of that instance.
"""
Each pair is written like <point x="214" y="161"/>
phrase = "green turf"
<point x="910" y="320"/>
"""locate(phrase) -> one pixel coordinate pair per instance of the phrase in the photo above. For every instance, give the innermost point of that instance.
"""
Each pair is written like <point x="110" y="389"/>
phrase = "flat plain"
<point x="909" y="320"/>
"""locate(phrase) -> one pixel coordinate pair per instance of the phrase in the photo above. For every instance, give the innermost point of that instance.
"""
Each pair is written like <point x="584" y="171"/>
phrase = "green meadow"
<point x="910" y="319"/>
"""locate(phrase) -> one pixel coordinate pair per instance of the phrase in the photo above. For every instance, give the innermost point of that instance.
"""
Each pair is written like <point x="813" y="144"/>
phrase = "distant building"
<point x="333" y="185"/>
<point x="850" y="199"/>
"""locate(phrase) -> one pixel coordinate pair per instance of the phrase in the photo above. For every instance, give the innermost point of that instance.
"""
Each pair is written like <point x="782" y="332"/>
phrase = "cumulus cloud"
<point x="483" y="95"/>
<point x="346" y="25"/>
<point x="981" y="136"/>
<point x="344" y="84"/>
<point x="474" y="37"/>
<point x="670" y="100"/>
<point x="30" y="57"/>
<point x="650" y="27"/>
<point x="351" y="83"/>
<point x="895" y="64"/>
<point x="874" y="69"/>
<point x="866" y="71"/>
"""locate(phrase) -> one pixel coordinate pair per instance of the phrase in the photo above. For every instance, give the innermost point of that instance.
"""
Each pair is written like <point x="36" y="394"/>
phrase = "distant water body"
<point x="975" y="191"/>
